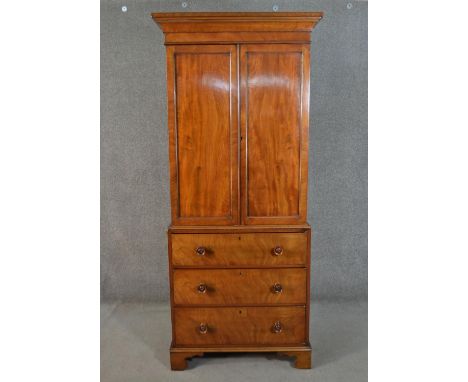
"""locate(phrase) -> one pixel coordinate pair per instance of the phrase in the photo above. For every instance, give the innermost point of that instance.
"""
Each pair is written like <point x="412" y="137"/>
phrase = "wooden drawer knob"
<point x="278" y="251"/>
<point x="203" y="328"/>
<point x="277" y="327"/>
<point x="202" y="288"/>
<point x="201" y="251"/>
<point x="277" y="288"/>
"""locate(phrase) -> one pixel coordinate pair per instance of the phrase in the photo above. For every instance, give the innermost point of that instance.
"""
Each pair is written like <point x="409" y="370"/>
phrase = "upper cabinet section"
<point x="239" y="27"/>
<point x="238" y="116"/>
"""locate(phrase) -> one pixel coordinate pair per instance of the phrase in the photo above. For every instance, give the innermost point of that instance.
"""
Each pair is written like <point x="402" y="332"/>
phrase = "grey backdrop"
<point x="135" y="209"/>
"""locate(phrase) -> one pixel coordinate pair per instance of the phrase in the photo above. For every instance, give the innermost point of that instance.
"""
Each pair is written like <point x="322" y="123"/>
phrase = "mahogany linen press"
<point x="239" y="241"/>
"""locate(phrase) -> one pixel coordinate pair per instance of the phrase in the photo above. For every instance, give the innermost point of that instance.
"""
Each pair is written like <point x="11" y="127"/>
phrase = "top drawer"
<point x="226" y="249"/>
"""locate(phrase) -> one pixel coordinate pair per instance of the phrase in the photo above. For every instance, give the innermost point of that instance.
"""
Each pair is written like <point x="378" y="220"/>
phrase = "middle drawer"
<point x="239" y="286"/>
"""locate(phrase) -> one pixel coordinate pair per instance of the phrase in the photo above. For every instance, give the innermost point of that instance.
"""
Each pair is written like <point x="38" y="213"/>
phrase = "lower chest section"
<point x="239" y="287"/>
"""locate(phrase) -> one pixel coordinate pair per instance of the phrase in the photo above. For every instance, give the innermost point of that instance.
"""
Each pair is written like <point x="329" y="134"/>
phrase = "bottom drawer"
<point x="240" y="326"/>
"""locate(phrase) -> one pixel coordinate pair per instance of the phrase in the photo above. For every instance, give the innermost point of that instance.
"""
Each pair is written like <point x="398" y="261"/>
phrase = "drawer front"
<point x="239" y="286"/>
<point x="240" y="326"/>
<point x="263" y="249"/>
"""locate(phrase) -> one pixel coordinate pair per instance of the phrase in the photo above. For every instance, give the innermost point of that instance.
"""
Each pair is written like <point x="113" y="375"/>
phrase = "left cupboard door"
<point x="203" y="134"/>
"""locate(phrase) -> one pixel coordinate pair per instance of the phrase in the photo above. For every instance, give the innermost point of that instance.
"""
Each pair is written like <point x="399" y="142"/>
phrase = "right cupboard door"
<point x="274" y="115"/>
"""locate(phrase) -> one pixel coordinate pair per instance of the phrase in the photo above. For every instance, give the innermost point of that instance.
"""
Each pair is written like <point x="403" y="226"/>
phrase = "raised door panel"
<point x="203" y="134"/>
<point x="274" y="123"/>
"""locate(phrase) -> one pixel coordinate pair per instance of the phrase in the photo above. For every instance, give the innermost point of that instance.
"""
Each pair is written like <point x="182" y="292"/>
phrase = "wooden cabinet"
<point x="239" y="242"/>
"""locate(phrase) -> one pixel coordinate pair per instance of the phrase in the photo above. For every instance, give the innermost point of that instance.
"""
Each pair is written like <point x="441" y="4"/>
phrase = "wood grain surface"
<point x="274" y="82"/>
<point x="239" y="27"/>
<point x="203" y="134"/>
<point x="238" y="244"/>
<point x="240" y="326"/>
<point x="239" y="286"/>
<point x="249" y="249"/>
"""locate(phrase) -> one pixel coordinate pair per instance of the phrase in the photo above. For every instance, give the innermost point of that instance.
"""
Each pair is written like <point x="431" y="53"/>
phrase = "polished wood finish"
<point x="241" y="27"/>
<point x="243" y="348"/>
<point x="274" y="123"/>
<point x="227" y="346"/>
<point x="303" y="359"/>
<point x="239" y="244"/>
<point x="203" y="134"/>
<point x="236" y="37"/>
<point x="179" y="359"/>
<point x="239" y="249"/>
<point x="240" y="326"/>
<point x="239" y="286"/>
<point x="240" y="229"/>
<point x="301" y="354"/>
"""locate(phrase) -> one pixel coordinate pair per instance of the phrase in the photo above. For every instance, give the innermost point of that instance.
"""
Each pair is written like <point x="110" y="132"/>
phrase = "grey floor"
<point x="135" y="339"/>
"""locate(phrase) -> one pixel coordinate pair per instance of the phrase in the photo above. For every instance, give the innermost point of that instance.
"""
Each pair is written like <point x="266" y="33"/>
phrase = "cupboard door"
<point x="274" y="82"/>
<point x="203" y="134"/>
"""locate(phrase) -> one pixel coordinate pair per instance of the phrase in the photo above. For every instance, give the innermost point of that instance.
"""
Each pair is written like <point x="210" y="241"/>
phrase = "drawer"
<point x="221" y="249"/>
<point x="240" y="326"/>
<point x="239" y="286"/>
